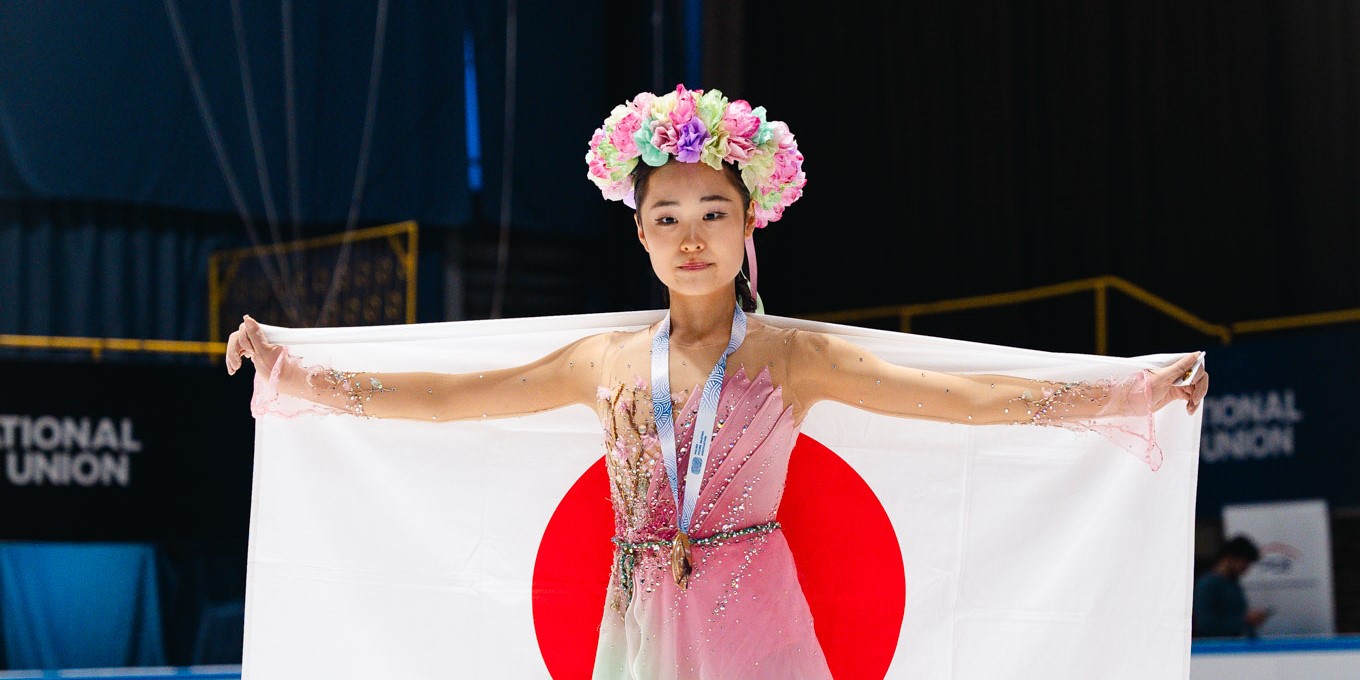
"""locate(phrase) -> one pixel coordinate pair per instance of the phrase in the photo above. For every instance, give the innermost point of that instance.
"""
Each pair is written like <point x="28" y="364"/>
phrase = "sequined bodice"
<point x="743" y="480"/>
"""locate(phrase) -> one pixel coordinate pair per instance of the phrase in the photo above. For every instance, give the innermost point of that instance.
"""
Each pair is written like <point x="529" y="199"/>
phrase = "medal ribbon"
<point x="662" y="413"/>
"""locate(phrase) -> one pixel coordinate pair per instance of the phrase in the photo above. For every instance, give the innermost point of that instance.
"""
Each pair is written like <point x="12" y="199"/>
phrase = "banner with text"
<point x="124" y="452"/>
<point x="1278" y="421"/>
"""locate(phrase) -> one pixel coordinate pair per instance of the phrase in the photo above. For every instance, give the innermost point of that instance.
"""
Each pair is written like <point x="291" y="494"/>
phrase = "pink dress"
<point x="743" y="614"/>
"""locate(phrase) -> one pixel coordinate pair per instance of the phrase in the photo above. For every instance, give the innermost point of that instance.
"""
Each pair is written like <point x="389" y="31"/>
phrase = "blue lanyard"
<point x="703" y="426"/>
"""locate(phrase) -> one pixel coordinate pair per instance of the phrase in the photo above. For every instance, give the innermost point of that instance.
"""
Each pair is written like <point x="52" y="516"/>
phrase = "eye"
<point x="665" y="219"/>
<point x="715" y="215"/>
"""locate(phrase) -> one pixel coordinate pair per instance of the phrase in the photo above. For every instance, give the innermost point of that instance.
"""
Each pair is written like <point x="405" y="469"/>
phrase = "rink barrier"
<point x="1338" y="643"/>
<point x="144" y="673"/>
<point x="1207" y="647"/>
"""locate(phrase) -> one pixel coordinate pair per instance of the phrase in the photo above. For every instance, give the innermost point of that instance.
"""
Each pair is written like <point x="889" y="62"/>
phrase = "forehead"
<point x="680" y="181"/>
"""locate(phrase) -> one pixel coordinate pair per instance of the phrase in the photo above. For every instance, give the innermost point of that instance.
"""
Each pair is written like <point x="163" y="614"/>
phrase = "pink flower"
<point x="739" y="148"/>
<point x="642" y="104"/>
<point x="739" y="121"/>
<point x="786" y="166"/>
<point x="766" y="215"/>
<point x="666" y="138"/>
<point x="598" y="167"/>
<point x="622" y="136"/>
<point x="621" y="190"/>
<point x="780" y="133"/>
<point x="684" y="106"/>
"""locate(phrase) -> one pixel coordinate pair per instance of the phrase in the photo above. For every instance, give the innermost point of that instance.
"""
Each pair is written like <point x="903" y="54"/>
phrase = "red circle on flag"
<point x="848" y="558"/>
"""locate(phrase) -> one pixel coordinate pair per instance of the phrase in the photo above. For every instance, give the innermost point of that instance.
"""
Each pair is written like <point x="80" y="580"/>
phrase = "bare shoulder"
<point x="817" y="360"/>
<point x="806" y="342"/>
<point x="765" y="331"/>
<point x="623" y="355"/>
<point x="626" y="341"/>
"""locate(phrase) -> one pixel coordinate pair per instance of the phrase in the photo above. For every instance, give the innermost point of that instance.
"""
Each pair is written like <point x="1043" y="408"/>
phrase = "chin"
<point x="696" y="289"/>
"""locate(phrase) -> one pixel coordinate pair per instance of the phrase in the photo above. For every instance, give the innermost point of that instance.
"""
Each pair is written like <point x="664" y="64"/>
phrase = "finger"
<point x="255" y="333"/>
<point x="1184" y="364"/>
<point x="230" y="357"/>
<point x="247" y="342"/>
<point x="1201" y="389"/>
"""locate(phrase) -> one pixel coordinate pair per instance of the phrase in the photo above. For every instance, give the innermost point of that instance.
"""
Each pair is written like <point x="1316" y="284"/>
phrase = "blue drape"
<point x="104" y="270"/>
<point x="96" y="104"/>
<point x="79" y="605"/>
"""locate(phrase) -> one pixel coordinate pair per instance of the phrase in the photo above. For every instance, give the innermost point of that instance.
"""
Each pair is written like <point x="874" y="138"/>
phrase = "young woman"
<point x="697" y="474"/>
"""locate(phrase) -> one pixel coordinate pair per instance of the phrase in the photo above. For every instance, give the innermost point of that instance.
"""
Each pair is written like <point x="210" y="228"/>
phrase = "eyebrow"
<point x="706" y="199"/>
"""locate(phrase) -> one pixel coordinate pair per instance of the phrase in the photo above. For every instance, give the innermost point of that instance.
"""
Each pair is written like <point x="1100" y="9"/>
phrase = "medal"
<point x="680" y="564"/>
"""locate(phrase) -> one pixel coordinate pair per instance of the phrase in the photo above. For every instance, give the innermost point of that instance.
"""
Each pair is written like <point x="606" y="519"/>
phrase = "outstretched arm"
<point x="558" y="379"/>
<point x="827" y="367"/>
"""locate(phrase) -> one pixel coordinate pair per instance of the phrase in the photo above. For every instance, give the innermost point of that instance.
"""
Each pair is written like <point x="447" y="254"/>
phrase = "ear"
<point x="642" y="236"/>
<point x="750" y="227"/>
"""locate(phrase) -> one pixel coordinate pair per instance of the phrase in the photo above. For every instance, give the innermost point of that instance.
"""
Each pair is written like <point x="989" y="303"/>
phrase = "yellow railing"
<point x="1099" y="286"/>
<point x="222" y="265"/>
<point x="98" y="346"/>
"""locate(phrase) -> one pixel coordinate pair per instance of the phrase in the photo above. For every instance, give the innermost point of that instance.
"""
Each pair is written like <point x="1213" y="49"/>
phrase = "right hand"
<point x="1256" y="617"/>
<point x="248" y="342"/>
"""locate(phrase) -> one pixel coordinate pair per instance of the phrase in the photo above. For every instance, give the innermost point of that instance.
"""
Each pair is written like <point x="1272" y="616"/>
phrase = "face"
<point x="691" y="223"/>
<point x="1238" y="565"/>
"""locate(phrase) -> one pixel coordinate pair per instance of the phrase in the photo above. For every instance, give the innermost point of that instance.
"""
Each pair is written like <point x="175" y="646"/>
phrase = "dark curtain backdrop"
<point x="111" y="197"/>
<point x="107" y="270"/>
<point x="1207" y="151"/>
<point x="95" y="104"/>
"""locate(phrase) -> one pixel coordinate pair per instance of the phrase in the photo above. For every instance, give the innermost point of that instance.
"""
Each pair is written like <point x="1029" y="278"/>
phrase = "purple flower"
<point x="693" y="134"/>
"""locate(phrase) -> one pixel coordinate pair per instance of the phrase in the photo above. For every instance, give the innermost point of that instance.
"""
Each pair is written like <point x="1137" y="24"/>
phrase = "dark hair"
<point x="1240" y="546"/>
<point x="642" y="175"/>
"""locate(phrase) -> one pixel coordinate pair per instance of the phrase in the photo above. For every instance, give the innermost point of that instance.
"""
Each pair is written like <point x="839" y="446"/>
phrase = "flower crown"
<point x="698" y="126"/>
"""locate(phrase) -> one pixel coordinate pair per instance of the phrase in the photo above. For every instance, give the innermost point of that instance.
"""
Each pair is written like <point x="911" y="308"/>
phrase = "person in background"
<point x="1220" y="606"/>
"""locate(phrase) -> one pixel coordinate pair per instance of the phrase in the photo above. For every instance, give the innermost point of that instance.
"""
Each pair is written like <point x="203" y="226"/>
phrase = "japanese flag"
<point x="480" y="549"/>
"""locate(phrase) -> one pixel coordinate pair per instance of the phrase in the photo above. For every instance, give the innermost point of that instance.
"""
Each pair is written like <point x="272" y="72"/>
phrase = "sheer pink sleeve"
<point x="1121" y="411"/>
<point x="270" y="400"/>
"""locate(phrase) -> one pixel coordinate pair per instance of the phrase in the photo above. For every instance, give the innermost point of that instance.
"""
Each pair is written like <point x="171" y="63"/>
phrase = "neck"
<point x="704" y="319"/>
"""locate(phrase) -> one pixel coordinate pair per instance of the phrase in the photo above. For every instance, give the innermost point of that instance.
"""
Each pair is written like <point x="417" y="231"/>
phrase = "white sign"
<point x="1294" y="576"/>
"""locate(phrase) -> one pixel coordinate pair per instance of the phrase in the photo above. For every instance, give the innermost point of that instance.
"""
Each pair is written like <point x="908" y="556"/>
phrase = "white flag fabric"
<point x="403" y="549"/>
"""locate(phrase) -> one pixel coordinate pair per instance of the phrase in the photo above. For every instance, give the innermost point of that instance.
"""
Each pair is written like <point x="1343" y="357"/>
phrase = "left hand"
<point x="1161" y="391"/>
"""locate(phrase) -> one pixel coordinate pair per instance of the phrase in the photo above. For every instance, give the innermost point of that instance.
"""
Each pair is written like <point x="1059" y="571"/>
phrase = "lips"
<point x="695" y="266"/>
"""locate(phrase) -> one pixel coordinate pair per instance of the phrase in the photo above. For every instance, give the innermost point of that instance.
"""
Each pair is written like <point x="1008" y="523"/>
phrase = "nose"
<point x="691" y="243"/>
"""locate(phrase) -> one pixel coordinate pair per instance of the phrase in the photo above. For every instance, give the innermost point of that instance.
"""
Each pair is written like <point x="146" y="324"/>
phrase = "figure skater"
<point x="696" y="474"/>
